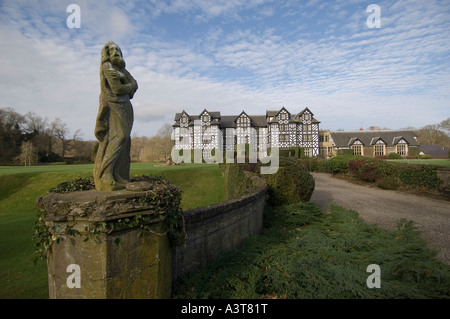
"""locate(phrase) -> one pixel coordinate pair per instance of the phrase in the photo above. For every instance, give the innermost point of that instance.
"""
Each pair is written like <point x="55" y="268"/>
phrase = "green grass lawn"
<point x="201" y="185"/>
<point x="437" y="162"/>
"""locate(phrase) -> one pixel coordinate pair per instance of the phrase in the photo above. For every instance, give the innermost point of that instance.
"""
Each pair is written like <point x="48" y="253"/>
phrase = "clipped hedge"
<point x="394" y="156"/>
<point x="374" y="169"/>
<point x="338" y="164"/>
<point x="235" y="181"/>
<point x="291" y="184"/>
<point x="365" y="169"/>
<point x="419" y="176"/>
<point x="296" y="152"/>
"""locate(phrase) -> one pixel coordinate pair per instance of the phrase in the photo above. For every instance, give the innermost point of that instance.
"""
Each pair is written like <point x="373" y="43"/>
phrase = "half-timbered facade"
<point x="279" y="128"/>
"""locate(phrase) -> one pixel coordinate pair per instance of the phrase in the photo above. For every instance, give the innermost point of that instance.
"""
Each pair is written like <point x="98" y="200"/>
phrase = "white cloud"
<point x="345" y="78"/>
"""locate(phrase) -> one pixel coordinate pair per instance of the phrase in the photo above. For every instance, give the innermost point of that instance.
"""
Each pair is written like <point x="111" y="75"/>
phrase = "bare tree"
<point x="27" y="154"/>
<point x="60" y="131"/>
<point x="445" y="126"/>
<point x="431" y="135"/>
<point x="83" y="150"/>
<point x="137" y="145"/>
<point x="164" y="143"/>
<point x="36" y="127"/>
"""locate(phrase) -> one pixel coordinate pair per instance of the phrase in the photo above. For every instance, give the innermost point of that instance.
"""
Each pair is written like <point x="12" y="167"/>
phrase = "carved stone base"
<point x="119" y="263"/>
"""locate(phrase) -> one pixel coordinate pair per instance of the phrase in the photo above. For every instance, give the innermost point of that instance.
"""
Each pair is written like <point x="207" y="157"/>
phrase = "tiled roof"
<point x="346" y="138"/>
<point x="227" y="121"/>
<point x="435" y="150"/>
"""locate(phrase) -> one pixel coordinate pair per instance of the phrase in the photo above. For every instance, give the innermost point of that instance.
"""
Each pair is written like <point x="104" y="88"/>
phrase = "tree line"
<point x="157" y="148"/>
<point x="29" y="139"/>
<point x="435" y="134"/>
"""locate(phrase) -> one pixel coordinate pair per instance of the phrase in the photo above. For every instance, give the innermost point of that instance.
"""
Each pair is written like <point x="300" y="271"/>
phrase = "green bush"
<point x="425" y="156"/>
<point x="296" y="152"/>
<point x="345" y="152"/>
<point x="365" y="169"/>
<point x="394" y="156"/>
<point x="314" y="164"/>
<point x="388" y="182"/>
<point x="419" y="176"/>
<point x="413" y="151"/>
<point x="338" y="164"/>
<point x="291" y="184"/>
<point x="235" y="180"/>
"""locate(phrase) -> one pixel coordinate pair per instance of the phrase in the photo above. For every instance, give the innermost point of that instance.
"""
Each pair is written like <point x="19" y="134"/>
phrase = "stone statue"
<point x="114" y="121"/>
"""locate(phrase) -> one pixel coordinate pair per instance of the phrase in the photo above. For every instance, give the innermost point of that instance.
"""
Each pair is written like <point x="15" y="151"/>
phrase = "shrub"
<point x="291" y="184"/>
<point x="425" y="156"/>
<point x="297" y="152"/>
<point x="236" y="183"/>
<point x="365" y="169"/>
<point x="345" y="152"/>
<point x="394" y="156"/>
<point x="413" y="151"/>
<point x="419" y="176"/>
<point x="388" y="182"/>
<point x="338" y="164"/>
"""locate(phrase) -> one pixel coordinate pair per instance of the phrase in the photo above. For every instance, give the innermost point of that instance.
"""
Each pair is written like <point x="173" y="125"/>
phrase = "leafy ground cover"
<point x="303" y="253"/>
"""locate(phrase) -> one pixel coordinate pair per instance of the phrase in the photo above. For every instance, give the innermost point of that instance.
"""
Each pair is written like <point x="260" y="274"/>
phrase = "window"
<point x="206" y="153"/>
<point x="308" y="152"/>
<point x="307" y="116"/>
<point x="283" y="116"/>
<point x="284" y="127"/>
<point x="379" y="149"/>
<point x="243" y="122"/>
<point x="307" y="138"/>
<point x="357" y="149"/>
<point x="401" y="149"/>
<point x="284" y="137"/>
<point x="205" y="118"/>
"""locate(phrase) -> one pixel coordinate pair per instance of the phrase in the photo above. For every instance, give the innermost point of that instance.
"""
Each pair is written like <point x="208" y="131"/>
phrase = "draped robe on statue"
<point x="113" y="127"/>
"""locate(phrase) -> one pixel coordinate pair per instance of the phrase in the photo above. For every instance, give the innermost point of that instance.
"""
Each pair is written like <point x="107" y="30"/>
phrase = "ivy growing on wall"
<point x="168" y="202"/>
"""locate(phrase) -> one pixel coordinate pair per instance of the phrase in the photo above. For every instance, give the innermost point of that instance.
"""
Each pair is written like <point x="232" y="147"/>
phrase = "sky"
<point x="230" y="56"/>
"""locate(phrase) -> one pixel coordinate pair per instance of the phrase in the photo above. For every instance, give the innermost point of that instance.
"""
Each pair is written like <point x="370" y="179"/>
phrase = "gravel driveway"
<point x="386" y="207"/>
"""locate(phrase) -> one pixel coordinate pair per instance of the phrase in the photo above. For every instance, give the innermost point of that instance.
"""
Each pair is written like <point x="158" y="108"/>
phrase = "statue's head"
<point x="112" y="53"/>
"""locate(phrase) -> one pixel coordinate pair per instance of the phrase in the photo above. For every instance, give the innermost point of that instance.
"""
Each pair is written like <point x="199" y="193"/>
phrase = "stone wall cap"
<point x="96" y="205"/>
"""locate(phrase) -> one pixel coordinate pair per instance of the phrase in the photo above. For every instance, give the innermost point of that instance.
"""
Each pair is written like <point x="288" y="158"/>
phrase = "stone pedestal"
<point x="95" y="253"/>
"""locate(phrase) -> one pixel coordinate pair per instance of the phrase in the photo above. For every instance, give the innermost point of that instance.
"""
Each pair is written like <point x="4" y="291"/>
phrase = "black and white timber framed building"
<point x="277" y="128"/>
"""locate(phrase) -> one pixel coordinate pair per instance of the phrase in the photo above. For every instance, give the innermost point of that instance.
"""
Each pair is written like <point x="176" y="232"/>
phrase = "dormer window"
<point x="283" y="116"/>
<point x="307" y="116"/>
<point x="184" y="120"/>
